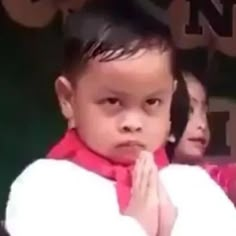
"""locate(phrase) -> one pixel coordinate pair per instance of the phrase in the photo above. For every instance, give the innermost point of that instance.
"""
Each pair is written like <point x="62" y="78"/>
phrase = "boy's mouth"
<point x="131" y="143"/>
<point x="131" y="146"/>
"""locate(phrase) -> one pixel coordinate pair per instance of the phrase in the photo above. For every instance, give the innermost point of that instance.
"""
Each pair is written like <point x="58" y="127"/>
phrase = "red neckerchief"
<point x="72" y="149"/>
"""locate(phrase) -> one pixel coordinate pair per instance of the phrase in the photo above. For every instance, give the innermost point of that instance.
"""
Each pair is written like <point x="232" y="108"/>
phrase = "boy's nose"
<point x="131" y="128"/>
<point x="131" y="123"/>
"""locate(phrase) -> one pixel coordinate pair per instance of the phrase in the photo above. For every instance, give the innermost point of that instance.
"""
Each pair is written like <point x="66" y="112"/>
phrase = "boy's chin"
<point x="123" y="158"/>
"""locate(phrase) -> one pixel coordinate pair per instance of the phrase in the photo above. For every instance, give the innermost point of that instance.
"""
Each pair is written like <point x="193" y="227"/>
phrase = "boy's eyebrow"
<point x="118" y="93"/>
<point x="159" y="92"/>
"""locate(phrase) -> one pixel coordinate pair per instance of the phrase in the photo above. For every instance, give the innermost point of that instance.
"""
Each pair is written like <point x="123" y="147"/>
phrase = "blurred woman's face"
<point x="195" y="139"/>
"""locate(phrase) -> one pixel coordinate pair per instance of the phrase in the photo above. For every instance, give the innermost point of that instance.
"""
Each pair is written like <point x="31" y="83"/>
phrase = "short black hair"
<point x="111" y="30"/>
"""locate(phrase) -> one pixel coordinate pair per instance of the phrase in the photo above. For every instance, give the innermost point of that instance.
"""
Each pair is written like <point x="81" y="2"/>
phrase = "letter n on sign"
<point x="220" y="21"/>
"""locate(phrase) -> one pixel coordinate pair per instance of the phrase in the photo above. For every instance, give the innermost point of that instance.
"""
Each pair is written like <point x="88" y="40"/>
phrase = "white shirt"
<point x="59" y="198"/>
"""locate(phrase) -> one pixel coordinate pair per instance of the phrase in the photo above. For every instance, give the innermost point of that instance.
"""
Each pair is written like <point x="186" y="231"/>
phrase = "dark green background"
<point x="30" y="121"/>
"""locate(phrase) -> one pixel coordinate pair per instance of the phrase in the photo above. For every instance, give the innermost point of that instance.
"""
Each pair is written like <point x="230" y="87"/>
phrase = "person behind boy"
<point x="116" y="87"/>
<point x="191" y="134"/>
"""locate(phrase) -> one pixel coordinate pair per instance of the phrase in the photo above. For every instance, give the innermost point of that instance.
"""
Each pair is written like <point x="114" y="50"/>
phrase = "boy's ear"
<point x="64" y="93"/>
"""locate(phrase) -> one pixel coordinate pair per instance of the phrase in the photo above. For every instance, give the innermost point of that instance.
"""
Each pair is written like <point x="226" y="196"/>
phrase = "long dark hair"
<point x="179" y="115"/>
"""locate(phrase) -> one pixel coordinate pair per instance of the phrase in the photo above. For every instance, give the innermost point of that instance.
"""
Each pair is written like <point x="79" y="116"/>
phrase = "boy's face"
<point x="193" y="144"/>
<point x="122" y="106"/>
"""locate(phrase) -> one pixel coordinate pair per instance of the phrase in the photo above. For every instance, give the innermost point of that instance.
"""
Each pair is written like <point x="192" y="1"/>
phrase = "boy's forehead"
<point x="149" y="64"/>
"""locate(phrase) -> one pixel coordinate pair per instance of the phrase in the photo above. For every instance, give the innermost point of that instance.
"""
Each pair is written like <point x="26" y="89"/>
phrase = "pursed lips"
<point x="131" y="144"/>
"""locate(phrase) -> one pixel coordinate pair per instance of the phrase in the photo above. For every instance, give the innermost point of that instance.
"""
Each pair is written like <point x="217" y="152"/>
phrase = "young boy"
<point x="116" y="88"/>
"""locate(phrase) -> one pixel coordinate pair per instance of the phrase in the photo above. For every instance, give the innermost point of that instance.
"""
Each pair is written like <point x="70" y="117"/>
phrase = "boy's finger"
<point x="144" y="175"/>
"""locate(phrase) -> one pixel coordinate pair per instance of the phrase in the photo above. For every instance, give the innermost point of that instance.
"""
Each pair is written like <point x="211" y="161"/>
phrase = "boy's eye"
<point x="153" y="102"/>
<point x="112" y="101"/>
